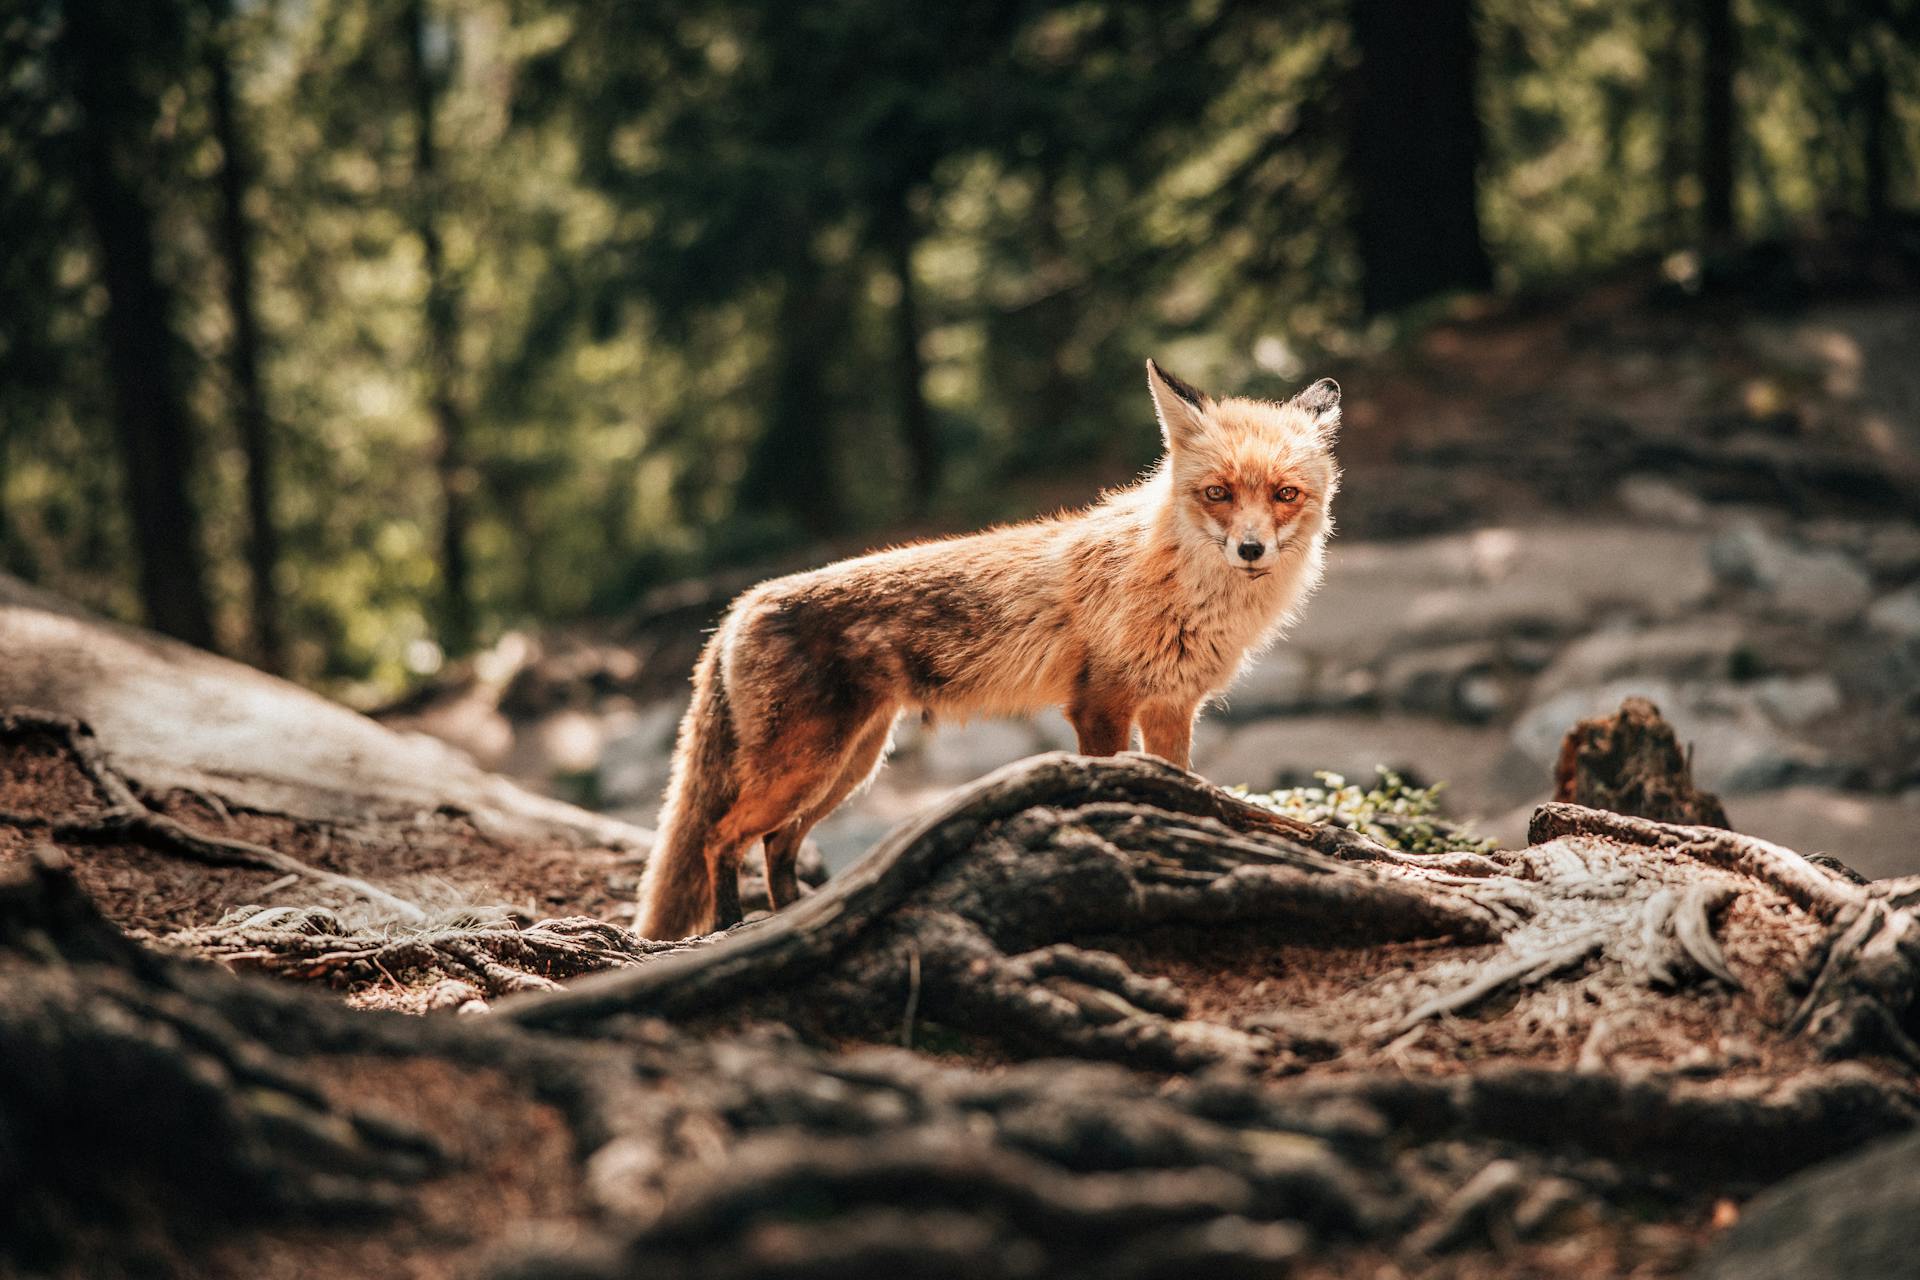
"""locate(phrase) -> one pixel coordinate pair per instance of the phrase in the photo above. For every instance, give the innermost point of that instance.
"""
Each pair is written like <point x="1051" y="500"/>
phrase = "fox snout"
<point x="1252" y="544"/>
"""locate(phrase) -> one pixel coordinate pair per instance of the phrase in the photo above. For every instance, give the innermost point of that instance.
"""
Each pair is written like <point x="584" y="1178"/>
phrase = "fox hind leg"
<point x="757" y="813"/>
<point x="783" y="846"/>
<point x="1102" y="722"/>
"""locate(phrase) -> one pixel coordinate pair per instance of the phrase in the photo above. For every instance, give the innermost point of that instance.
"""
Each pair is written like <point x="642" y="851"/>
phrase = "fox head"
<point x="1255" y="478"/>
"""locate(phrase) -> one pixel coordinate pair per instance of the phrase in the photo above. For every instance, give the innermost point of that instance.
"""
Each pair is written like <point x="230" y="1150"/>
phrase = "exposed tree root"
<point x="109" y="1077"/>
<point x="125" y="818"/>
<point x="997" y="875"/>
<point x="1248" y="989"/>
<point x="1864" y="976"/>
<point x="490" y="956"/>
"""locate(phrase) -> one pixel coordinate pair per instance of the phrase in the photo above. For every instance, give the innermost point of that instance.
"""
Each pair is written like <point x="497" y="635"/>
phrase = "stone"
<point x="1701" y="648"/>
<point x="1429" y="681"/>
<point x="1279" y="681"/>
<point x="1658" y="500"/>
<point x="1847" y="1219"/>
<point x="1537" y="582"/>
<point x="1897" y="614"/>
<point x="634" y="764"/>
<point x="1819" y="583"/>
<point x="844" y="836"/>
<point x="1892" y="552"/>
<point x="1796" y="701"/>
<point x="1471" y="761"/>
<point x="1873" y="834"/>
<point x="1481" y="696"/>
<point x="957" y="752"/>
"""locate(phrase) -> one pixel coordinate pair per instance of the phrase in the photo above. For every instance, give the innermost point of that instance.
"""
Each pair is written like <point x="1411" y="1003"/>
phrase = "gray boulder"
<point x="1852" y="1219"/>
<point x="1897" y="614"/>
<point x="1807" y="582"/>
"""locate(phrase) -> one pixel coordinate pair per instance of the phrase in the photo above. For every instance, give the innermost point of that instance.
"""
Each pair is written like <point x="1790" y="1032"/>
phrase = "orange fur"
<point x="1132" y="611"/>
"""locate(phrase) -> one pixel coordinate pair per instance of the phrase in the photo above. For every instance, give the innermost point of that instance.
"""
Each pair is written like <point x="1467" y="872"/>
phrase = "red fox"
<point x="1132" y="611"/>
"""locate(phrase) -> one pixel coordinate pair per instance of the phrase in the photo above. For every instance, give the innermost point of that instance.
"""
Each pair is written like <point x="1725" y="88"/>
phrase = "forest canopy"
<point x="345" y="336"/>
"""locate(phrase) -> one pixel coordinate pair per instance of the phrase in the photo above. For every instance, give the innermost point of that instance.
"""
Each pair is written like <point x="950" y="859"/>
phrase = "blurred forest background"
<point x="344" y="336"/>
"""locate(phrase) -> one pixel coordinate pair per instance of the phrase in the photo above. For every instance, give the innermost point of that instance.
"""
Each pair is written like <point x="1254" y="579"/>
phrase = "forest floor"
<point x="1546" y="508"/>
<point x="1070" y="1018"/>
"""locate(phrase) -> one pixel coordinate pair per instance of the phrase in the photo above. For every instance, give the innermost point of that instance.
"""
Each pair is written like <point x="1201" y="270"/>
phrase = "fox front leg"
<point x="1166" y="729"/>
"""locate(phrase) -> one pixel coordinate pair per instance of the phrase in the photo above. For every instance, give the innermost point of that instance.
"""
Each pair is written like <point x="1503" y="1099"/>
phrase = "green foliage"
<point x="675" y="236"/>
<point x="1395" y="814"/>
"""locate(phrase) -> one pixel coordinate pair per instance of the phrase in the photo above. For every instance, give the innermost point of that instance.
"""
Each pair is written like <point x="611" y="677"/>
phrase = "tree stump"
<point x="1630" y="762"/>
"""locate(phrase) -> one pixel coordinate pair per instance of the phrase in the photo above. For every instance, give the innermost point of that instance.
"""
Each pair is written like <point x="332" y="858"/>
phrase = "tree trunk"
<point x="794" y="467"/>
<point x="1719" y="62"/>
<point x="1877" y="140"/>
<point x="458" y="479"/>
<point x="910" y="369"/>
<point x="1415" y="151"/>
<point x="1671" y="70"/>
<point x="156" y="437"/>
<point x="250" y="407"/>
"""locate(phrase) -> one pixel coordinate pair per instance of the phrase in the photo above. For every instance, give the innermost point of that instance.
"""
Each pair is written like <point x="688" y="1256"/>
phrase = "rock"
<point x="1887" y="549"/>
<point x="1473" y="762"/>
<point x="1897" y="614"/>
<point x="843" y="837"/>
<point x="1481" y="696"/>
<point x="1892" y="552"/>
<point x="961" y="752"/>
<point x="1878" y="668"/>
<point x="1536" y="582"/>
<point x="1279" y="681"/>
<point x="1052" y="732"/>
<point x="1873" y="834"/>
<point x="1796" y="701"/>
<point x="1849" y="1219"/>
<point x="1702" y="648"/>
<point x="1815" y="583"/>
<point x="634" y="765"/>
<point x="1429" y="681"/>
<point x="1659" y="500"/>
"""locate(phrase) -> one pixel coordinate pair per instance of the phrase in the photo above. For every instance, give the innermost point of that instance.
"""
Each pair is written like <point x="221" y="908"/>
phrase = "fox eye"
<point x="1285" y="493"/>
<point x="1218" y="493"/>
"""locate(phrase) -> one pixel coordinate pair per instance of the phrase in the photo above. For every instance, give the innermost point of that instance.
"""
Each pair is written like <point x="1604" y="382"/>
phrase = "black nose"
<point x="1252" y="550"/>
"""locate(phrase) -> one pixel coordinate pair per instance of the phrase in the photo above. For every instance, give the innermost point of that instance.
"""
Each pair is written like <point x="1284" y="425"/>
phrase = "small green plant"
<point x="1395" y="814"/>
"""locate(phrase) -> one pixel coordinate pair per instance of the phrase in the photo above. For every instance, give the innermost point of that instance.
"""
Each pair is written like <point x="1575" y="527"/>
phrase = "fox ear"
<point x="1180" y="407"/>
<point x="1322" y="402"/>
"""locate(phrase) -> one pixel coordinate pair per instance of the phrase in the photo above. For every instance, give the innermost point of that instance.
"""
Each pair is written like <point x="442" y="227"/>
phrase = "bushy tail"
<point x="676" y="894"/>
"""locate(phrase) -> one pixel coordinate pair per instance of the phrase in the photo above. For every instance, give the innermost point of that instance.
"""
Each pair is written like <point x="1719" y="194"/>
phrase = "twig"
<point x="913" y="997"/>
<point x="1521" y="971"/>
